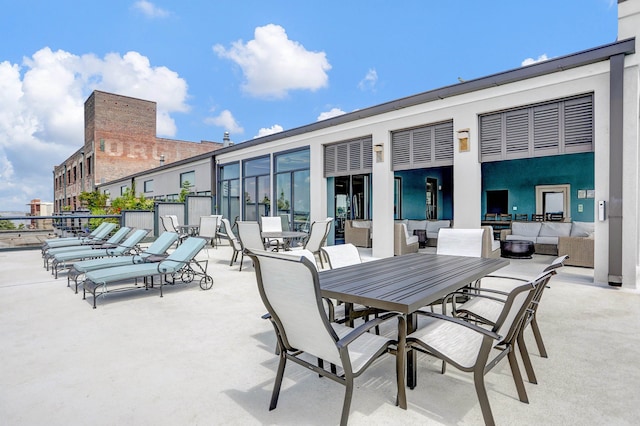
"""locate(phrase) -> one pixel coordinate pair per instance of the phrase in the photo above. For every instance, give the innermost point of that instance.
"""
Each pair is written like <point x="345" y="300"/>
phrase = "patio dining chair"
<point x="341" y="255"/>
<point x="170" y="224"/>
<point x="233" y="240"/>
<point x="318" y="237"/>
<point x="469" y="347"/>
<point x="208" y="229"/>
<point x="485" y="304"/>
<point x="250" y="238"/>
<point x="290" y="290"/>
<point x="272" y="224"/>
<point x="460" y="242"/>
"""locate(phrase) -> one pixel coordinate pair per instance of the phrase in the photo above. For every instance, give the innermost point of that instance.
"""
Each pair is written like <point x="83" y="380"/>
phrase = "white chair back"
<point x="271" y="224"/>
<point x="318" y="235"/>
<point x="290" y="290"/>
<point x="249" y="235"/>
<point x="342" y="255"/>
<point x="170" y="224"/>
<point x="460" y="242"/>
<point x="208" y="227"/>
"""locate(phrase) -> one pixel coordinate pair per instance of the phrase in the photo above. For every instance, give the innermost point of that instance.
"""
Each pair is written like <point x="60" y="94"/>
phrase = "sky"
<point x="251" y="68"/>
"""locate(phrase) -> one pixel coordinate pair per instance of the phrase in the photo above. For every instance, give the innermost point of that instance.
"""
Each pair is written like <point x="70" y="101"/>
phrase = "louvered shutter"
<point x="546" y="129"/>
<point x="564" y="126"/>
<point x="401" y="150"/>
<point x="424" y="147"/>
<point x="421" y="147"/>
<point x="578" y="124"/>
<point x="517" y="134"/>
<point x="443" y="146"/>
<point x="491" y="137"/>
<point x="347" y="158"/>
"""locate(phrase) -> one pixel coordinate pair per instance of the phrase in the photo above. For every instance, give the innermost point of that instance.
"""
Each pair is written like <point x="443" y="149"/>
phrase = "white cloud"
<point x="369" y="81"/>
<point x="273" y="65"/>
<point x="276" y="128"/>
<point x="150" y="10"/>
<point x="334" y="112"/>
<point x="42" y="111"/>
<point x="531" y="61"/>
<point x="225" y="120"/>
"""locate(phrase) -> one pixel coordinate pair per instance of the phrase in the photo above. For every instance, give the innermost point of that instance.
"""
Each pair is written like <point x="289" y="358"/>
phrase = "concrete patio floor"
<point x="199" y="357"/>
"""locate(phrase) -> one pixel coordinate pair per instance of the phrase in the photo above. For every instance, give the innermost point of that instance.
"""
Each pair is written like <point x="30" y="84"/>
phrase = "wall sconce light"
<point x="379" y="150"/>
<point x="161" y="159"/>
<point x="463" y="140"/>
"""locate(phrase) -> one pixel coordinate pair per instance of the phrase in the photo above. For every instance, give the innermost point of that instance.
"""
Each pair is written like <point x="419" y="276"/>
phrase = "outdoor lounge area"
<point x="207" y="357"/>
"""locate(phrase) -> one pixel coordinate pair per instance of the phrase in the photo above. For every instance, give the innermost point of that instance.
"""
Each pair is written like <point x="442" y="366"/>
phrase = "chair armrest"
<point x="463" y="323"/>
<point x="504" y="233"/>
<point x="363" y="328"/>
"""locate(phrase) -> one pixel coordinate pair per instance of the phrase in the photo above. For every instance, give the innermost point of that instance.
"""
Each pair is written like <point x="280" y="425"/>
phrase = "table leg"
<point x="401" y="400"/>
<point x="412" y="377"/>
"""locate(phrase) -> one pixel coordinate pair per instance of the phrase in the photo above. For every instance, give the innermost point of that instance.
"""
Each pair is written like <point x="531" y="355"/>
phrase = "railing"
<point x="30" y="232"/>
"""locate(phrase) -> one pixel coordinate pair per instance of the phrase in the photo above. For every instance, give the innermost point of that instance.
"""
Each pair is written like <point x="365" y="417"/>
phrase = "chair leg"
<point x="526" y="359"/>
<point x="346" y="406"/>
<point x="241" y="259"/>
<point x="517" y="377"/>
<point x="478" y="379"/>
<point x="538" y="336"/>
<point x="278" y="383"/>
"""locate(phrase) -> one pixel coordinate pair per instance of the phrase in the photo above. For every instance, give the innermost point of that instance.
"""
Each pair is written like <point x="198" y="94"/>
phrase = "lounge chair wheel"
<point x="206" y="282"/>
<point x="187" y="276"/>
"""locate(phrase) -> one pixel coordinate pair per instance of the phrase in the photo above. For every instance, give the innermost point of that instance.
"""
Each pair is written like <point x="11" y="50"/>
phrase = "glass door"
<point x="352" y="201"/>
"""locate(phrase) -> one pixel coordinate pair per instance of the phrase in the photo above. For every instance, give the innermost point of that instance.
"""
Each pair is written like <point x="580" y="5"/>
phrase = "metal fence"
<point x="30" y="232"/>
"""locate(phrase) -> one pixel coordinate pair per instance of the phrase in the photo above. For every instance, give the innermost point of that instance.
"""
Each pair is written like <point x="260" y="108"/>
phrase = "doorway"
<point x="553" y="201"/>
<point x="352" y="201"/>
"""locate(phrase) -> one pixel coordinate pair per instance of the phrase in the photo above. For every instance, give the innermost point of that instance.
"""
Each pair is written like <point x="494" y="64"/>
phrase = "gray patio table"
<point x="404" y="284"/>
<point x="287" y="236"/>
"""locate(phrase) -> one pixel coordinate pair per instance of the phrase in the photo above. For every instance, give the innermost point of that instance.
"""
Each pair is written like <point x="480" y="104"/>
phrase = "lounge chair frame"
<point x="180" y="265"/>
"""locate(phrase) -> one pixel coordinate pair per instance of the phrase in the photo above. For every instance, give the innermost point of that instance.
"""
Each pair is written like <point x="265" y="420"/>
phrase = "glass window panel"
<point x="256" y="167"/>
<point x="230" y="171"/>
<point x="292" y="161"/>
<point x="302" y="200"/>
<point x="189" y="177"/>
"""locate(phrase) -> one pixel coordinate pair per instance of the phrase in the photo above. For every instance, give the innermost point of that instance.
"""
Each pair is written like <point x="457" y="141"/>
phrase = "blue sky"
<point x="251" y="67"/>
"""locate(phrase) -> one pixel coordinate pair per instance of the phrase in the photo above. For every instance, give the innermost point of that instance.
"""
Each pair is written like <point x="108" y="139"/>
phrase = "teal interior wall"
<point x="414" y="196"/>
<point x="520" y="177"/>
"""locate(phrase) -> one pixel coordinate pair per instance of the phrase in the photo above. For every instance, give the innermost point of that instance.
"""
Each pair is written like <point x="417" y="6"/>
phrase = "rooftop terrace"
<point x="206" y="357"/>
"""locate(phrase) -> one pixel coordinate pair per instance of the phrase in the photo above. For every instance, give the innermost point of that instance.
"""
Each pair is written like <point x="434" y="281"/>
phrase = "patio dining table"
<point x="287" y="236"/>
<point x="404" y="284"/>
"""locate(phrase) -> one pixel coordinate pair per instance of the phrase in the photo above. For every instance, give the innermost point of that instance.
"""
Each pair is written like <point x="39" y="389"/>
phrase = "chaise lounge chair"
<point x="113" y="241"/>
<point x="65" y="260"/>
<point x="97" y="236"/>
<point x="179" y="262"/>
<point x="155" y="253"/>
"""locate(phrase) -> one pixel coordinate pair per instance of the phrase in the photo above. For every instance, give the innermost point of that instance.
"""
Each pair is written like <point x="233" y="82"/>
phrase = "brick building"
<point x="119" y="140"/>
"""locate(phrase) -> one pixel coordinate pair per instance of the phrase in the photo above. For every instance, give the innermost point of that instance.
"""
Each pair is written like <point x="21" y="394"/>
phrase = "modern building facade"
<point x="120" y="139"/>
<point x="562" y="135"/>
